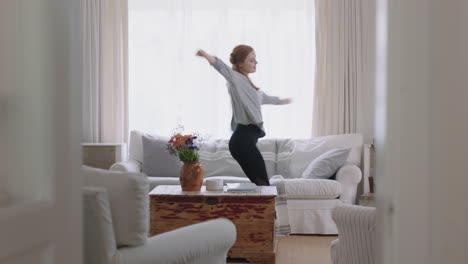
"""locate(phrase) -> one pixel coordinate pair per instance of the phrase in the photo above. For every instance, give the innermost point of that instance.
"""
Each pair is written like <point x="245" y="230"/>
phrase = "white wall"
<point x="40" y="118"/>
<point x="5" y="79"/>
<point x="366" y="94"/>
<point x="3" y="154"/>
<point x="422" y="132"/>
<point x="30" y="101"/>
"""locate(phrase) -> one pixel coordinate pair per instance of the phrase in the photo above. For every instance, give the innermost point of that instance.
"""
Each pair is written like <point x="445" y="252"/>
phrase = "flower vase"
<point x="191" y="176"/>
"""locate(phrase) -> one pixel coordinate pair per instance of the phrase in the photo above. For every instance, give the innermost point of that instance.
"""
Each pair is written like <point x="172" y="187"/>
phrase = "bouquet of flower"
<point x="184" y="147"/>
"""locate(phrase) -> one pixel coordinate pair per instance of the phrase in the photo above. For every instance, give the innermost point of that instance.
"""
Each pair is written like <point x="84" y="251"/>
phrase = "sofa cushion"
<point x="129" y="202"/>
<point x="326" y="165"/>
<point x="312" y="189"/>
<point x="217" y="160"/>
<point x="157" y="162"/>
<point x="294" y="155"/>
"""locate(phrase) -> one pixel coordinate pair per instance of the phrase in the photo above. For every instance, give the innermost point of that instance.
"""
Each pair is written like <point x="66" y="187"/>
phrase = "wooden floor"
<point x="302" y="249"/>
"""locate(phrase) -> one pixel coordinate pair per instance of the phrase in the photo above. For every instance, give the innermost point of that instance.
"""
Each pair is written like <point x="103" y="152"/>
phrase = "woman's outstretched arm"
<point x="219" y="65"/>
<point x="268" y="99"/>
<point x="208" y="57"/>
<point x="285" y="101"/>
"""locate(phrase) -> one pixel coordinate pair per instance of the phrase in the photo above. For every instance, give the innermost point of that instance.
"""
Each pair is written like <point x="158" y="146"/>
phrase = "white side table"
<point x="103" y="155"/>
<point x="367" y="199"/>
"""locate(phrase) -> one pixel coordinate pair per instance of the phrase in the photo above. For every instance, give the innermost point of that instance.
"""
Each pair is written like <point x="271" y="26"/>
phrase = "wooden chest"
<point x="253" y="213"/>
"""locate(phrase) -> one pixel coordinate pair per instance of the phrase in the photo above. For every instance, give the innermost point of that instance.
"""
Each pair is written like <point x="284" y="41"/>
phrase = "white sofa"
<point x="308" y="202"/>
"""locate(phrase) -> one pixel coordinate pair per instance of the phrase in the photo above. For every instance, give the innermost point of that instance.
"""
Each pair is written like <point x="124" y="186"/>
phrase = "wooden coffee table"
<point x="253" y="213"/>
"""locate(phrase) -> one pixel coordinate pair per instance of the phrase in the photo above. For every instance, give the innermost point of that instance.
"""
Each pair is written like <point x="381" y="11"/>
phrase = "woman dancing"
<point x="246" y="100"/>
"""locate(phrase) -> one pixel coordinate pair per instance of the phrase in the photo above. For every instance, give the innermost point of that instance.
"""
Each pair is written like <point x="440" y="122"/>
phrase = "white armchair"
<point x="127" y="166"/>
<point x="206" y="243"/>
<point x="356" y="235"/>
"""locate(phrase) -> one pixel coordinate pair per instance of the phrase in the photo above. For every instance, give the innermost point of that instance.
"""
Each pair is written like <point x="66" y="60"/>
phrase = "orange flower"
<point x="179" y="140"/>
<point x="177" y="143"/>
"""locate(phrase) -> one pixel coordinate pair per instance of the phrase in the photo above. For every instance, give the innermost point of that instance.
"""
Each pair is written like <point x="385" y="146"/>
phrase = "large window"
<point x="169" y="86"/>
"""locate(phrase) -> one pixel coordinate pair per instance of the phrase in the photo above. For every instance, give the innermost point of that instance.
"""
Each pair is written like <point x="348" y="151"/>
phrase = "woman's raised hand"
<point x="286" y="101"/>
<point x="209" y="58"/>
<point x="200" y="53"/>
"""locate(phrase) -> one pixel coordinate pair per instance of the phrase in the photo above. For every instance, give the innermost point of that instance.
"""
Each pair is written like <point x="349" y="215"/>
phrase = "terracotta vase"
<point x="191" y="176"/>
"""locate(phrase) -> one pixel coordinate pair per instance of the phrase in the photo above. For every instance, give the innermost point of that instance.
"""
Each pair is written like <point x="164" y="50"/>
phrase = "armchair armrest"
<point x="349" y="176"/>
<point x="127" y="166"/>
<point x="207" y="242"/>
<point x="356" y="234"/>
<point x="354" y="217"/>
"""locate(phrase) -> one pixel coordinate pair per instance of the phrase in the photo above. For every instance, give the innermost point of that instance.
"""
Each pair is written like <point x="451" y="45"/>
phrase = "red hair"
<point x="238" y="55"/>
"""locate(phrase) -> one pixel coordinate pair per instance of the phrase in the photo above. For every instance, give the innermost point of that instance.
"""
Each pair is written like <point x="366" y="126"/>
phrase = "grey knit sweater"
<point x="245" y="99"/>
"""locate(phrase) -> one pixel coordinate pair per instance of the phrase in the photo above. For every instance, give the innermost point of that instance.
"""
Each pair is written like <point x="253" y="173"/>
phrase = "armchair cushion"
<point x="156" y="160"/>
<point x="202" y="243"/>
<point x="326" y="165"/>
<point x="129" y="203"/>
<point x="99" y="245"/>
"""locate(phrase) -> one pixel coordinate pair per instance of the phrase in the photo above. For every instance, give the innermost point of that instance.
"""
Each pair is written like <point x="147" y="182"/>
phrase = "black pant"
<point x="243" y="147"/>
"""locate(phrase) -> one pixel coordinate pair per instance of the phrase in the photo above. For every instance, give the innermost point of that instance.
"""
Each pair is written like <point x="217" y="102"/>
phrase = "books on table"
<point x="241" y="187"/>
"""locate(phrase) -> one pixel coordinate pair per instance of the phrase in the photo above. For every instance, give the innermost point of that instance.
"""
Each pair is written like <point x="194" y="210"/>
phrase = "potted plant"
<point x="186" y="149"/>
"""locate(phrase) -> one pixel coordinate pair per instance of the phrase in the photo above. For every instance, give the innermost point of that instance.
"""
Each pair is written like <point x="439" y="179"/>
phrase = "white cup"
<point x="214" y="184"/>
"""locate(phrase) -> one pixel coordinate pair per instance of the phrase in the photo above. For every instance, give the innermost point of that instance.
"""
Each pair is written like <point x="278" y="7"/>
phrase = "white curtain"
<point x="170" y="86"/>
<point x="105" y="92"/>
<point x="344" y="85"/>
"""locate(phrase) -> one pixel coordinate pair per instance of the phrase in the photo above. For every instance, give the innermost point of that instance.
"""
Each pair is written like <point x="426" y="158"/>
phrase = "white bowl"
<point x="214" y="184"/>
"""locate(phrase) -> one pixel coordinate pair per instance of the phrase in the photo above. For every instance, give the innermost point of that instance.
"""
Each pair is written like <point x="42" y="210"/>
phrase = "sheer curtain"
<point x="169" y="86"/>
<point x="344" y="88"/>
<point x="105" y="62"/>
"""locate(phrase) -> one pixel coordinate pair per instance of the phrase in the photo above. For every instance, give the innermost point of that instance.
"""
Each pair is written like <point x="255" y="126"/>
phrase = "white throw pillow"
<point x="129" y="202"/>
<point x="326" y="165"/>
